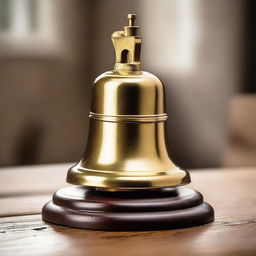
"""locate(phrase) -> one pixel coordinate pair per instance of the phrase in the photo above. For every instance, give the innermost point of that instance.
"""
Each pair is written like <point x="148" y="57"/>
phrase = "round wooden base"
<point x="83" y="207"/>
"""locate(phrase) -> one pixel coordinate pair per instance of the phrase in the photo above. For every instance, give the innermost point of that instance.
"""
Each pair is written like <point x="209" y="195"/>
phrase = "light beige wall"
<point x="44" y="101"/>
<point x="197" y="49"/>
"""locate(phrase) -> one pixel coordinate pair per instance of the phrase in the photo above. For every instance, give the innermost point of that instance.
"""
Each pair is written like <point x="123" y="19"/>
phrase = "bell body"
<point x="126" y="147"/>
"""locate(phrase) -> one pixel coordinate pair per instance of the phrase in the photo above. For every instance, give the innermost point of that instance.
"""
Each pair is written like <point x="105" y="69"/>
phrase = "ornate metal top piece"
<point x="127" y="44"/>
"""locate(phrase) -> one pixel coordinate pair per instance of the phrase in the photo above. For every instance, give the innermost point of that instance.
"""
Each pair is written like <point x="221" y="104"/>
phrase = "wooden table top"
<point x="24" y="190"/>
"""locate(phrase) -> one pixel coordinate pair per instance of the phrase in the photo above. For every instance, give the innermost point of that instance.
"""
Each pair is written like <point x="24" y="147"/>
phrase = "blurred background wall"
<point x="203" y="51"/>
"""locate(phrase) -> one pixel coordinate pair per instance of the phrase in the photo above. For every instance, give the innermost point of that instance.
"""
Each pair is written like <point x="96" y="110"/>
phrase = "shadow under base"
<point x="169" y="208"/>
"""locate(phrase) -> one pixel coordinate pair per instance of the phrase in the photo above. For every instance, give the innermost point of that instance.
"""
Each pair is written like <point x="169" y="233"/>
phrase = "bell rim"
<point x="117" y="180"/>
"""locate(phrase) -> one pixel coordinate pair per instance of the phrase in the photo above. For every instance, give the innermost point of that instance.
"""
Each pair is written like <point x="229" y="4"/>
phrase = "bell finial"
<point x="127" y="46"/>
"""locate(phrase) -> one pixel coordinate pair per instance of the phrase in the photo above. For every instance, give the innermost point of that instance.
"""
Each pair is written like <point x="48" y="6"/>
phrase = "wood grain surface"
<point x="24" y="190"/>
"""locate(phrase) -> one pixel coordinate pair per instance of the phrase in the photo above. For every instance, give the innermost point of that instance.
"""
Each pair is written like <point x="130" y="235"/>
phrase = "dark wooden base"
<point x="82" y="207"/>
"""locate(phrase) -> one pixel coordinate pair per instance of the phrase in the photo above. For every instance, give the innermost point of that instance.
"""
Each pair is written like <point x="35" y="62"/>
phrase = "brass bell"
<point x="127" y="146"/>
<point x="126" y="178"/>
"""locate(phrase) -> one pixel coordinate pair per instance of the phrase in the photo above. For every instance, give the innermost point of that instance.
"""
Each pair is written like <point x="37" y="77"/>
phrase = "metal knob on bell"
<point x="127" y="146"/>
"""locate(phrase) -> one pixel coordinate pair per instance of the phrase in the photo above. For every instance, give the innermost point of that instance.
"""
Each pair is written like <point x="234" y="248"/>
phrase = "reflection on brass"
<point x="127" y="145"/>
